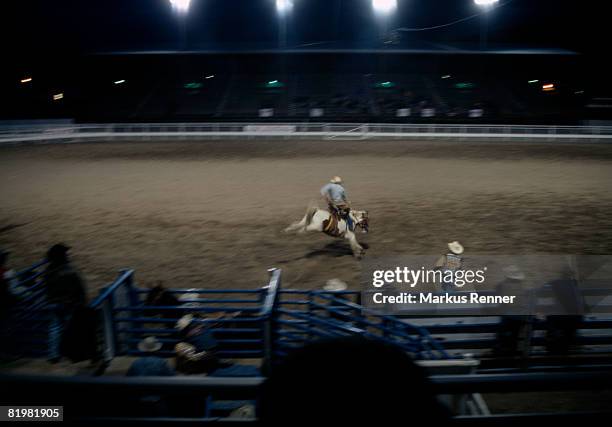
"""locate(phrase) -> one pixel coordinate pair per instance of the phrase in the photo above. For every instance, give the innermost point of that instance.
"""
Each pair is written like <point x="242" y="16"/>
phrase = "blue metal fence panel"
<point x="24" y="332"/>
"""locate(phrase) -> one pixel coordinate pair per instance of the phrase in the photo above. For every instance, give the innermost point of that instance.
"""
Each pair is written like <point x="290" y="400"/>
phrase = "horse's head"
<point x="361" y="220"/>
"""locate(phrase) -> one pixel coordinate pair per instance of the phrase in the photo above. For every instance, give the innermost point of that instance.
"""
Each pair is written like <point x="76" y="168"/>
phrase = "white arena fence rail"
<point x="324" y="131"/>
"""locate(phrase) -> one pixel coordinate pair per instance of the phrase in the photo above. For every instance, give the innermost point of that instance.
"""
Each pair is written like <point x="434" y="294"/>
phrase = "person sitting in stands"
<point x="65" y="289"/>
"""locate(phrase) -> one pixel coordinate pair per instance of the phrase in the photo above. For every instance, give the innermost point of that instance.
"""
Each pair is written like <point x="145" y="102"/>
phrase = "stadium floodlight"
<point x="284" y="6"/>
<point x="180" y="6"/>
<point x="26" y="80"/>
<point x="485" y="3"/>
<point x="384" y="6"/>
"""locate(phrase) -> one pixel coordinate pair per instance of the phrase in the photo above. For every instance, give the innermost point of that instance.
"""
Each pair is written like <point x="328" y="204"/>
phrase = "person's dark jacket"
<point x="65" y="286"/>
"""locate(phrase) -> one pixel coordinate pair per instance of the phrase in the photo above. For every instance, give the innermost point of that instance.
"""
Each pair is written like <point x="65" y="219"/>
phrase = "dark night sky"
<point x="55" y="26"/>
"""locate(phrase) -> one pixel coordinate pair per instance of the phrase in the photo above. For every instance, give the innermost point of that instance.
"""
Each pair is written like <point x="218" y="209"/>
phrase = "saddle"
<point x="336" y="213"/>
<point x="330" y="225"/>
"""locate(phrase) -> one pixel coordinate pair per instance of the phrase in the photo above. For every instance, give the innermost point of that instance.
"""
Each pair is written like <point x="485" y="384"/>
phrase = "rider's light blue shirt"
<point x="334" y="192"/>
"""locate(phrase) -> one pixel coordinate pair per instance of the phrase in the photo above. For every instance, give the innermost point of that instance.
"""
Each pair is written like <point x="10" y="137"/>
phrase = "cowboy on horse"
<point x="335" y="196"/>
<point x="338" y="221"/>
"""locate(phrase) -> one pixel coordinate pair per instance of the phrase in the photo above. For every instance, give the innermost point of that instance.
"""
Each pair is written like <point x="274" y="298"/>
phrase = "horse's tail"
<point x="310" y="213"/>
<point x="300" y="226"/>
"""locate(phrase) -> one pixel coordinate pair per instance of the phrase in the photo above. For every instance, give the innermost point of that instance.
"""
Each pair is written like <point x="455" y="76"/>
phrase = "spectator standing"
<point x="450" y="263"/>
<point x="66" y="291"/>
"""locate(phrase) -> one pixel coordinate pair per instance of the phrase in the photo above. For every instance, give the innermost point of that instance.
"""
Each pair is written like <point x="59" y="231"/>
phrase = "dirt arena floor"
<point x="211" y="214"/>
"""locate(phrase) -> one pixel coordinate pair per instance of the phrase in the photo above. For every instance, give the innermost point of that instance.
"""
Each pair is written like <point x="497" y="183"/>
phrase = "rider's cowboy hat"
<point x="335" y="285"/>
<point x="514" y="273"/>
<point x="455" y="247"/>
<point x="336" y="180"/>
<point x="149" y="345"/>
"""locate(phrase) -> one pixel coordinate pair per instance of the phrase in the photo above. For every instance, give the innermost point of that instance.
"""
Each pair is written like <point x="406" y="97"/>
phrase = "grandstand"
<point x="321" y="86"/>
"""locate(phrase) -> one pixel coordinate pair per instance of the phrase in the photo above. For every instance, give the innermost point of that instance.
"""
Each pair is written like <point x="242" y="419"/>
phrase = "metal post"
<point x="269" y="314"/>
<point x="108" y="332"/>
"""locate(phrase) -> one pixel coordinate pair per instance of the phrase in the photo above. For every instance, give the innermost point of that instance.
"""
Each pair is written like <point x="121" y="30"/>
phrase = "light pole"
<point x="487" y="5"/>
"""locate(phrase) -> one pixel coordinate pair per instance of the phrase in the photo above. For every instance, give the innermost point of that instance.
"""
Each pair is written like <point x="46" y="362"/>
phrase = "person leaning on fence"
<point x="567" y="314"/>
<point x="513" y="337"/>
<point x="66" y="290"/>
<point x="196" y="353"/>
<point x="450" y="264"/>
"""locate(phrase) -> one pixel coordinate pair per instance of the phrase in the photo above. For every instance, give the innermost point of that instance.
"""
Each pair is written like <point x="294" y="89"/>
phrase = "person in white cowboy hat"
<point x="197" y="351"/>
<point x="190" y="297"/>
<point x="336" y="285"/>
<point x="451" y="262"/>
<point x="150" y="365"/>
<point x="197" y="334"/>
<point x="335" y="196"/>
<point x="149" y="345"/>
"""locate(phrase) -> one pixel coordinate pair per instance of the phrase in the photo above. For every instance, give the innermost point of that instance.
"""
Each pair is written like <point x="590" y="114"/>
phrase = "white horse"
<point x="319" y="220"/>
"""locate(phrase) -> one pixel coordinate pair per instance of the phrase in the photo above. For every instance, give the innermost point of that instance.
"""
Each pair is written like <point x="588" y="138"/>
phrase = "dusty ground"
<point x="210" y="214"/>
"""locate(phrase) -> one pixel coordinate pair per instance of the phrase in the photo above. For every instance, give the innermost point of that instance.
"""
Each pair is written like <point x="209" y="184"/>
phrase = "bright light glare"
<point x="181" y="6"/>
<point x="384" y="6"/>
<point x="284" y="6"/>
<point x="58" y="96"/>
<point x="485" y="2"/>
<point x="26" y="80"/>
<point x="118" y="82"/>
<point x="212" y="76"/>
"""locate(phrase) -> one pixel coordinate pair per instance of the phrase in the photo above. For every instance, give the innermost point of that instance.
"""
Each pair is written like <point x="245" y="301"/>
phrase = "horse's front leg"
<point x="357" y="249"/>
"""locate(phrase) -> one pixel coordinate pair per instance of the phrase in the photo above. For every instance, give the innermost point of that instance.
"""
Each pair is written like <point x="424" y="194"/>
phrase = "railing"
<point x="25" y="332"/>
<point x="275" y="320"/>
<point x="84" y="394"/>
<point x="462" y="330"/>
<point x="120" y="292"/>
<point x="266" y="326"/>
<point x="320" y="314"/>
<point x="126" y="320"/>
<point x="331" y="131"/>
